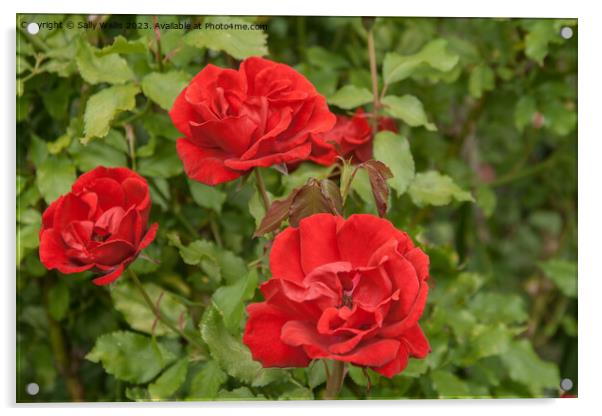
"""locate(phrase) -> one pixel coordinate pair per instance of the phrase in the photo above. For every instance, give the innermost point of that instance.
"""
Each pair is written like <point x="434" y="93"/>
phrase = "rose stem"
<point x="157" y="312"/>
<point x="335" y="380"/>
<point x="374" y="76"/>
<point x="261" y="189"/>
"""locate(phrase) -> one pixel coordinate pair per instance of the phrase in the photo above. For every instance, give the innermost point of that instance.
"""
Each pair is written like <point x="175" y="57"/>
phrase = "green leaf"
<point x="170" y="381"/>
<point x="124" y="46"/>
<point x="38" y="150"/>
<point x="563" y="273"/>
<point x="524" y="111"/>
<point x="448" y="385"/>
<point x="163" y="88"/>
<point x="394" y="151"/>
<point x="494" y="307"/>
<point x="96" y="154"/>
<point x="232" y="356"/>
<point x="58" y="300"/>
<point x="207" y="196"/>
<point x="350" y="97"/>
<point x="486" y="199"/>
<point x="238" y="43"/>
<point x="434" y="54"/>
<point x="129" y="356"/>
<point x="54" y="177"/>
<point x="541" y="34"/>
<point x="103" y="106"/>
<point x="433" y="188"/>
<point x="164" y="162"/>
<point x="230" y="300"/>
<point x="482" y="78"/>
<point x="94" y="69"/>
<point x="216" y="262"/>
<point x="525" y="366"/>
<point x="206" y="383"/>
<point x="408" y="109"/>
<point x="489" y="340"/>
<point x="128" y="300"/>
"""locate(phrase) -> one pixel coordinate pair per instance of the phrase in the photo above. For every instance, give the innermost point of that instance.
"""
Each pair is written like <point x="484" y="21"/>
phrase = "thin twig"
<point x="157" y="312"/>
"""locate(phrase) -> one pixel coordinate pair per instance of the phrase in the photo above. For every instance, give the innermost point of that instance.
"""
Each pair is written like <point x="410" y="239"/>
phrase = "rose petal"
<point x="203" y="165"/>
<point x="361" y="235"/>
<point x="110" y="277"/>
<point x="112" y="252"/>
<point x="129" y="228"/>
<point x="293" y="155"/>
<point x="52" y="254"/>
<point x="285" y="260"/>
<point x="262" y="336"/>
<point x="148" y="237"/>
<point x="416" y="341"/>
<point x="318" y="248"/>
<point x="396" y="365"/>
<point x="420" y="261"/>
<point x="232" y="134"/>
<point x="395" y="329"/>
<point x="137" y="194"/>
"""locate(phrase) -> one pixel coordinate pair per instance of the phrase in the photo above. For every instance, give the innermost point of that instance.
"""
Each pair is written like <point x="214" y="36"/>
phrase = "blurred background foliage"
<point x="485" y="166"/>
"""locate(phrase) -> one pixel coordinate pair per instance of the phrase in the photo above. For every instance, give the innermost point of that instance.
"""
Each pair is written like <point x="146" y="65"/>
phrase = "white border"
<point x="589" y="198"/>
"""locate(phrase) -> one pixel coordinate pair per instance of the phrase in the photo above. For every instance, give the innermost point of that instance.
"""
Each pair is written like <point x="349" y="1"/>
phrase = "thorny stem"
<point x="157" y="312"/>
<point x="265" y="199"/>
<point x="374" y="76"/>
<point x="335" y="380"/>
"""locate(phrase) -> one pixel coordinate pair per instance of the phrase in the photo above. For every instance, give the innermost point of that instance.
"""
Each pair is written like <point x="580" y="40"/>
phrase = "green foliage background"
<point x="485" y="169"/>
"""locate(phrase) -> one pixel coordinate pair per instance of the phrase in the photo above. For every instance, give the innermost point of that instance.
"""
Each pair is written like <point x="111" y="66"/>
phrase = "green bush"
<point x="484" y="179"/>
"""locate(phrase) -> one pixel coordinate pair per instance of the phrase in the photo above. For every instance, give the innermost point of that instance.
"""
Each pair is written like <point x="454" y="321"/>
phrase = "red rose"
<point x="261" y="115"/>
<point x="350" y="137"/>
<point x="349" y="290"/>
<point x="101" y="225"/>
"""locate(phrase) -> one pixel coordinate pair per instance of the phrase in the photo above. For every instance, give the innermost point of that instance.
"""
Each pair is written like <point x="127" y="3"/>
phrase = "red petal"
<point x="110" y="277"/>
<point x="113" y="252"/>
<point x="262" y="336"/>
<point x="396" y="365"/>
<point x="206" y="166"/>
<point x="233" y="134"/>
<point x="420" y="261"/>
<point x="148" y="237"/>
<point x="285" y="256"/>
<point x="109" y="191"/>
<point x="397" y="328"/>
<point x="361" y="235"/>
<point x="52" y="254"/>
<point x="418" y="344"/>
<point x="129" y="228"/>
<point x="182" y="113"/>
<point x="70" y="208"/>
<point x="318" y="241"/>
<point x="137" y="194"/>
<point x="295" y="154"/>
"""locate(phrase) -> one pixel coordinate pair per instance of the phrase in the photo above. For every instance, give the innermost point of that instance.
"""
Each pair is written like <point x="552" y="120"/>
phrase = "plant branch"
<point x="335" y="380"/>
<point x="374" y="76"/>
<point x="157" y="311"/>
<point x="265" y="199"/>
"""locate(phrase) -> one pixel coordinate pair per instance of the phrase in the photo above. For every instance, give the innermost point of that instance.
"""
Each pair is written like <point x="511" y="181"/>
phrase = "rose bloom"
<point x="101" y="225"/>
<point x="351" y="137"/>
<point x="348" y="290"/>
<point x="235" y="120"/>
